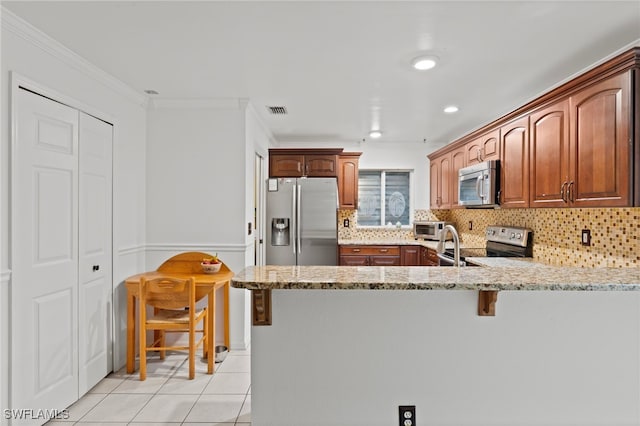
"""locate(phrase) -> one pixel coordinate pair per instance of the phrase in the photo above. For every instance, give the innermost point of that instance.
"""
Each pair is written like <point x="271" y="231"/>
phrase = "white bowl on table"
<point x="211" y="268"/>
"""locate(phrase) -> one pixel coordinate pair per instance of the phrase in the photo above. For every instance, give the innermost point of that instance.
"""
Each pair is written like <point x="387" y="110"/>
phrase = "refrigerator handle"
<point x="298" y="224"/>
<point x="294" y="221"/>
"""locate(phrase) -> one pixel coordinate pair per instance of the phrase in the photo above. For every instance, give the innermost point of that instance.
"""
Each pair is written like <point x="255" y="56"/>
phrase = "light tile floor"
<point x="168" y="397"/>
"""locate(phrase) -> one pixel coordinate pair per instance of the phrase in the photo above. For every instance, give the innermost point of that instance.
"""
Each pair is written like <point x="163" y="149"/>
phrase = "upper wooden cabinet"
<point x="303" y="162"/>
<point x="580" y="148"/>
<point x="320" y="163"/>
<point x="484" y="148"/>
<point x="444" y="179"/>
<point x="575" y="146"/>
<point x="348" y="179"/>
<point x="549" y="155"/>
<point x="514" y="164"/>
<point x="601" y="166"/>
<point x="440" y="186"/>
<point x="458" y="161"/>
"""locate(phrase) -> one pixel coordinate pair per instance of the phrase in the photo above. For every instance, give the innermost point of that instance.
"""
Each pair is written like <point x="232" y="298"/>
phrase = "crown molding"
<point x="239" y="104"/>
<point x="21" y="28"/>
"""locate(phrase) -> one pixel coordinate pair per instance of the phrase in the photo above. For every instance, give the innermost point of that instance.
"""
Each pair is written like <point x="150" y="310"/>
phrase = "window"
<point x="384" y="196"/>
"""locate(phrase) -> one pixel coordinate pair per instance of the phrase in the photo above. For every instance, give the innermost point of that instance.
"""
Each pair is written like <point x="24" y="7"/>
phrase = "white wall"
<point x="44" y="61"/>
<point x="351" y="357"/>
<point x="200" y="188"/>
<point x="390" y="155"/>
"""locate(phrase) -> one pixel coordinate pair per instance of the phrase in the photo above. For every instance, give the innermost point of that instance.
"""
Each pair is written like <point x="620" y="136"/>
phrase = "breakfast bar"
<point x="349" y="345"/>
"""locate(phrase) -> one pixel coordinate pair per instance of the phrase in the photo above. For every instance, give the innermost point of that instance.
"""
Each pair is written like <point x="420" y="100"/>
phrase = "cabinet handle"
<point x="562" y="193"/>
<point x="355" y="250"/>
<point x="96" y="268"/>
<point x="570" y="191"/>
<point x="478" y="155"/>
<point x="384" y="250"/>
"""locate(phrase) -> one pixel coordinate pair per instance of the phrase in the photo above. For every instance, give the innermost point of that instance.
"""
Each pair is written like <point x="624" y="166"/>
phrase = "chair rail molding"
<point x="5" y="276"/>
<point x="125" y="251"/>
<point x="33" y="35"/>
<point x="240" y="248"/>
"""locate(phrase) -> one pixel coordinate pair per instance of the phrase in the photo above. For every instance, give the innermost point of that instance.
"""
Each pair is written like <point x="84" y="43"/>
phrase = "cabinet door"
<point x="348" y="182"/>
<point x="384" y="260"/>
<point x="600" y="153"/>
<point x="434" y="184"/>
<point x="410" y="255"/>
<point x="458" y="161"/>
<point x="354" y="260"/>
<point x="514" y="166"/>
<point x="320" y="165"/>
<point x="286" y="165"/>
<point x="428" y="257"/>
<point x="549" y="155"/>
<point x="440" y="195"/>
<point x="490" y="145"/>
<point x="485" y="148"/>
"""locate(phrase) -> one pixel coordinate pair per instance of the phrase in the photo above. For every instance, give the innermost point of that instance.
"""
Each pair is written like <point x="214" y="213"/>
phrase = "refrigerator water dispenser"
<point x="280" y="231"/>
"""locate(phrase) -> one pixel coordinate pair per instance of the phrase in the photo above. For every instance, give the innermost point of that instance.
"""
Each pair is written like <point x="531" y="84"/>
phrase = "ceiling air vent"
<point x="277" y="110"/>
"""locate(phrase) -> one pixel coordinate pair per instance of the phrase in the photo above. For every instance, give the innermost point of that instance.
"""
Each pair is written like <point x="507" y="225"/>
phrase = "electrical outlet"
<point x="586" y="237"/>
<point x="407" y="415"/>
<point x="345" y="223"/>
<point x="470" y="225"/>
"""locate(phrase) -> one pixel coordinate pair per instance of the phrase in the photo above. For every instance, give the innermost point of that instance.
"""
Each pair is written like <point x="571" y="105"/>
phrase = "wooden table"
<point x="183" y="265"/>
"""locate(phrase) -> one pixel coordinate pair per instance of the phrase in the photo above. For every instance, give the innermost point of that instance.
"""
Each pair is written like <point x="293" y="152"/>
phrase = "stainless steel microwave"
<point x="478" y="185"/>
<point x="428" y="230"/>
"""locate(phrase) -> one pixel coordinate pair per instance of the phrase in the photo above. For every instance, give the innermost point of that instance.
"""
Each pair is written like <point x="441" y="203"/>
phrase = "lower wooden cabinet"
<point x="410" y="255"/>
<point x="428" y="257"/>
<point x="379" y="255"/>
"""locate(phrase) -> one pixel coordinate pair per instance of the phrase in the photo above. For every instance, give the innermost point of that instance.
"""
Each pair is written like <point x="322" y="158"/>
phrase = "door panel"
<point x="280" y="205"/>
<point x="514" y="167"/>
<point x="95" y="223"/>
<point x="318" y="221"/>
<point x="600" y="129"/>
<point x="44" y="338"/>
<point x="549" y="150"/>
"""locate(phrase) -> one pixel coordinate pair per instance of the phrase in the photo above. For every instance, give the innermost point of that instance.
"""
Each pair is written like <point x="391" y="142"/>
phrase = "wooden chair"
<point x="174" y="302"/>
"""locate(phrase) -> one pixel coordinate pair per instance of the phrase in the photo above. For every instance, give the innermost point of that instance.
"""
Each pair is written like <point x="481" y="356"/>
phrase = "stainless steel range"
<point x="502" y="241"/>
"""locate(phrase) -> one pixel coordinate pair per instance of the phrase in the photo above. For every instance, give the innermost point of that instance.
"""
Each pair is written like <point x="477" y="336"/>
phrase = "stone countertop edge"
<point x="547" y="278"/>
<point x="396" y="242"/>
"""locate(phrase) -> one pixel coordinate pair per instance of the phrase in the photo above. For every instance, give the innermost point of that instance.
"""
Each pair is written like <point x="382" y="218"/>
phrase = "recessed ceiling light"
<point x="375" y="134"/>
<point x="451" y="109"/>
<point x="423" y="63"/>
<point x="151" y="92"/>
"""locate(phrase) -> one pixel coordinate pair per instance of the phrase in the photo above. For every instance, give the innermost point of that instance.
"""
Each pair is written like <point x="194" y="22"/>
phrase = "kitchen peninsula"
<point x="348" y="345"/>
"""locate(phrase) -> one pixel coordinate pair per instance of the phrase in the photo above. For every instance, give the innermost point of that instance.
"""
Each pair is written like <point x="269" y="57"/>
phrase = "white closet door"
<point x="95" y="350"/>
<point x="44" y="290"/>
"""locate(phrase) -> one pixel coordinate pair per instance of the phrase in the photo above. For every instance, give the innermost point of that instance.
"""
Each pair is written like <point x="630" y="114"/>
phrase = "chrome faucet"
<point x="456" y="243"/>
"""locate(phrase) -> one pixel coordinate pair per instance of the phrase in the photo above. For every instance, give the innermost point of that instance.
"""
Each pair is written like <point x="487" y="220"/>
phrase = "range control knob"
<point x="519" y="236"/>
<point x="513" y="235"/>
<point x="491" y="232"/>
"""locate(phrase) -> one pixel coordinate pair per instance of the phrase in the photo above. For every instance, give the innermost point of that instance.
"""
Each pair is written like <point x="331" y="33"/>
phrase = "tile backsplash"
<point x="615" y="232"/>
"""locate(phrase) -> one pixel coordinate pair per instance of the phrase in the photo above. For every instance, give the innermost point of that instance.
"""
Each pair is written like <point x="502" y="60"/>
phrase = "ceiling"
<point x="342" y="68"/>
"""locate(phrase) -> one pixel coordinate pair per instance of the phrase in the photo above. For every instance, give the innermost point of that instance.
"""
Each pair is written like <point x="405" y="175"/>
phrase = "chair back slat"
<point x="168" y="292"/>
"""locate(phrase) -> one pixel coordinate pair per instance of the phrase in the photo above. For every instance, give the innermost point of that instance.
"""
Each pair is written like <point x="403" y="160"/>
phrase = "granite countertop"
<point x="438" y="278"/>
<point x="515" y="262"/>
<point x="396" y="242"/>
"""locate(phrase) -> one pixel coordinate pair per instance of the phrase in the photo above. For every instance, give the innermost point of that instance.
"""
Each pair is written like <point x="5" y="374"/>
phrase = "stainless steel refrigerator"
<point x="302" y="221"/>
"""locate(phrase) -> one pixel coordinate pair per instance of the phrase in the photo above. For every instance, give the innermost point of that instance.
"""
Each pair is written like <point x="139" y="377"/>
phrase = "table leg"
<point x="211" y="338"/>
<point x="226" y="315"/>
<point x="131" y="333"/>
